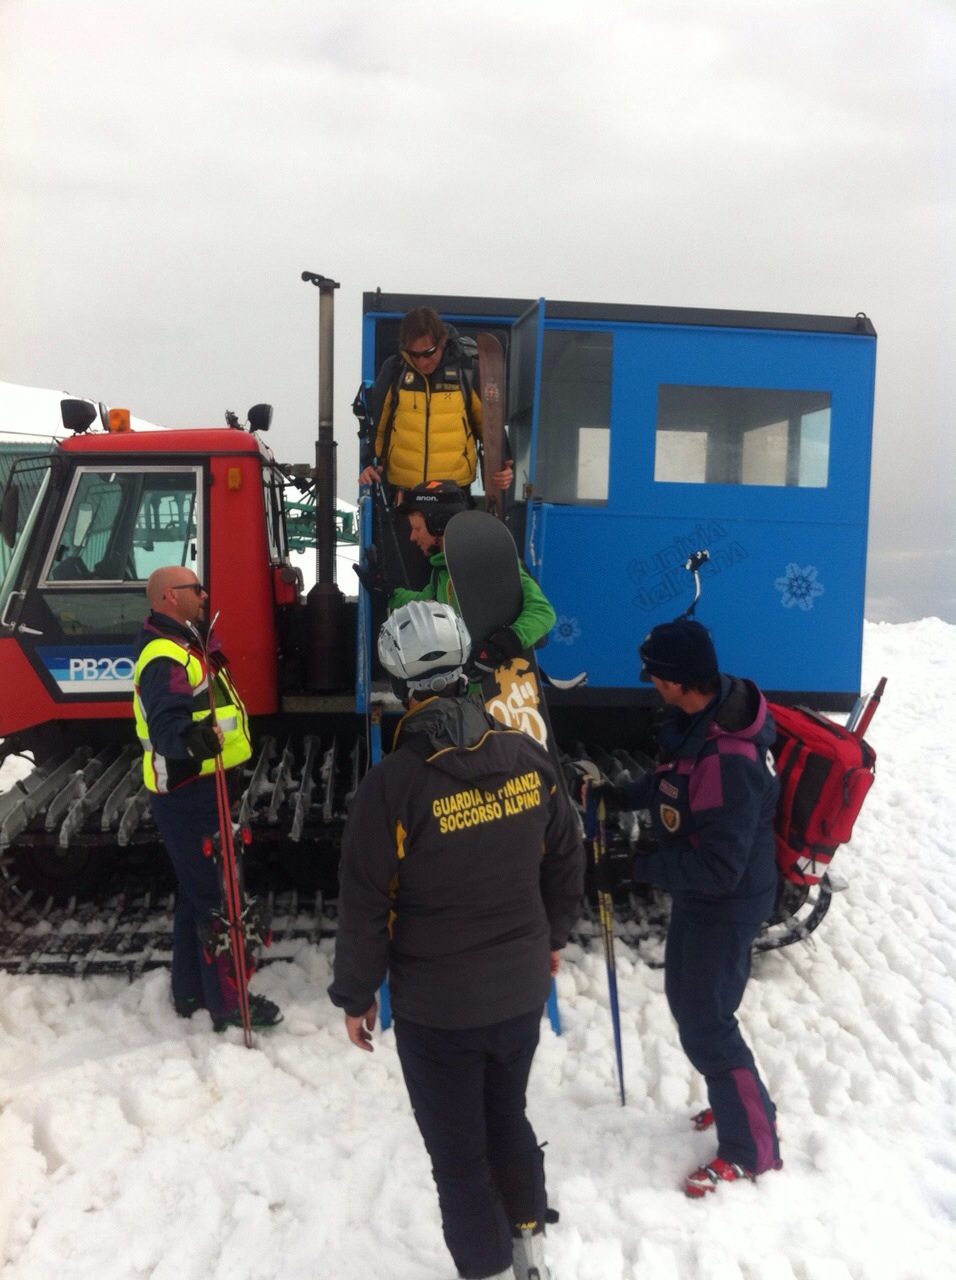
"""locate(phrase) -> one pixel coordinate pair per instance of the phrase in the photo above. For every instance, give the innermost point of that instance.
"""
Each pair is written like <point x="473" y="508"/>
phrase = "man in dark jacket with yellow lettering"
<point x="461" y="877"/>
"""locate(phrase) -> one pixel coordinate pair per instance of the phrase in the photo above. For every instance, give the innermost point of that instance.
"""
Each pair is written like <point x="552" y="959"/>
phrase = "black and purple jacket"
<point x="712" y="801"/>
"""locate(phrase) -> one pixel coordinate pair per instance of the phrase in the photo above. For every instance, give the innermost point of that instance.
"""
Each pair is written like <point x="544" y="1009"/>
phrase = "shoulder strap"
<point x="466" y="373"/>
<point x="392" y="392"/>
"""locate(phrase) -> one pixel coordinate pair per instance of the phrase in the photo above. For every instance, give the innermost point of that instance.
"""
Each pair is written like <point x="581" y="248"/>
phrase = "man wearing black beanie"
<point x="712" y="802"/>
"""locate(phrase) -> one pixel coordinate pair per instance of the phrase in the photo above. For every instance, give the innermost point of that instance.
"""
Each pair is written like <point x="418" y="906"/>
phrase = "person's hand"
<point x="371" y="577"/>
<point x="359" y="1030"/>
<point x="555" y="963"/>
<point x="371" y="475"/>
<point x="501" y="646"/>
<point x="204" y="740"/>
<point x="504" y="478"/>
<point x="580" y="775"/>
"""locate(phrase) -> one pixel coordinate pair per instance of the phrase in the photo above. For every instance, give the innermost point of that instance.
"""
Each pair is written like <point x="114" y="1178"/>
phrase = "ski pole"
<point x="361" y="410"/>
<point x="595" y="815"/>
<point x="229" y="878"/>
<point x="387" y="518"/>
<point x="869" y="711"/>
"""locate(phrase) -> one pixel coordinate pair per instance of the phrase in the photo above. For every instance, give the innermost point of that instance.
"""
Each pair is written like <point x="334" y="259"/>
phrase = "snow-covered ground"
<point x="133" y="1144"/>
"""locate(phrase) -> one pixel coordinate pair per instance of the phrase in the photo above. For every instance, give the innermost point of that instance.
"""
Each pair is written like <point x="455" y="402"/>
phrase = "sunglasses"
<point x="422" y="355"/>
<point x="189" y="586"/>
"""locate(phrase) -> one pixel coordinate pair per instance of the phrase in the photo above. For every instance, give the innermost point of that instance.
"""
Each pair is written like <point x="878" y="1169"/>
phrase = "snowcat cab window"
<point x="274" y="482"/>
<point x="574" y="417"/>
<point x="742" y="435"/>
<point x="29" y="478"/>
<point x="116" y="528"/>
<point x="121" y="525"/>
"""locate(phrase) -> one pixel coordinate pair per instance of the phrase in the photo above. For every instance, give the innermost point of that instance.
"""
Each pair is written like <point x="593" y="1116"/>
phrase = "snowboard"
<point x="491" y="366"/>
<point x="482" y="561"/>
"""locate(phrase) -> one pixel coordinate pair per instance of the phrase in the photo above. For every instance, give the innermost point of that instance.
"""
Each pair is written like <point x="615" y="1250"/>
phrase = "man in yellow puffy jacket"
<point x="171" y="704"/>
<point x="427" y="412"/>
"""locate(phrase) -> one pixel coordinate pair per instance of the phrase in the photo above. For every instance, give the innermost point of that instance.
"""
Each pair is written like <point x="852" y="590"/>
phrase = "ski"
<point x="241" y="924"/>
<point x="491" y="369"/>
<point x="225" y="934"/>
<point x="595" y="833"/>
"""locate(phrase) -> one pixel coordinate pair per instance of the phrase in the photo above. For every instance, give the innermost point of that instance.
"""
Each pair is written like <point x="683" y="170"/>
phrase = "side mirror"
<point x="260" y="417"/>
<point x="9" y="513"/>
<point x="77" y="415"/>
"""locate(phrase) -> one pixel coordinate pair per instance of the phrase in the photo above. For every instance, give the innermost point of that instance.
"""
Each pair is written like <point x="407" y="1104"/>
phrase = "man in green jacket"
<point x="429" y="507"/>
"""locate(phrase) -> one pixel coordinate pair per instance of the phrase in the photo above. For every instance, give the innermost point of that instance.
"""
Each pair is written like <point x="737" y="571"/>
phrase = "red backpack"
<point x="825" y="772"/>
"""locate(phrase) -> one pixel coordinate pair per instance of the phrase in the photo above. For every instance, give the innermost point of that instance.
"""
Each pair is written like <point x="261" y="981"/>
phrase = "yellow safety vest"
<point x="230" y="716"/>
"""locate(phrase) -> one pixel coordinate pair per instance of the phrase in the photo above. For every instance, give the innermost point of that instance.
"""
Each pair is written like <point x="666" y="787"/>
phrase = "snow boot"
<point x="263" y="1014"/>
<point x="705" y="1179"/>
<point x="529" y="1263"/>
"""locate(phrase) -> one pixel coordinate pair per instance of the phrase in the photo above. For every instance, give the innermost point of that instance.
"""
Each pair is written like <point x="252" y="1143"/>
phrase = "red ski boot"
<point x="705" y="1179"/>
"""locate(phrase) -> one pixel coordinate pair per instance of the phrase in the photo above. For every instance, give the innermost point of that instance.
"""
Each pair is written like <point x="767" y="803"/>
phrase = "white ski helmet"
<point x="424" y="646"/>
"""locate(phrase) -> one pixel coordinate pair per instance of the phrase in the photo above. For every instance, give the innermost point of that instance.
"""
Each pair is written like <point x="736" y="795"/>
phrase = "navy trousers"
<point x="185" y="819"/>
<point x="467" y="1089"/>
<point x="706" y="968"/>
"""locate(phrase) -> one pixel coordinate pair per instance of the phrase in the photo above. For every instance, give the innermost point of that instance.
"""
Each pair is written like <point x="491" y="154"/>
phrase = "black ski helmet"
<point x="437" y="501"/>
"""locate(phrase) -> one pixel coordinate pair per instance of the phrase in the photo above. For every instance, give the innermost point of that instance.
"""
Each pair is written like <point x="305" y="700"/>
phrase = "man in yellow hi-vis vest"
<point x="171" y="703"/>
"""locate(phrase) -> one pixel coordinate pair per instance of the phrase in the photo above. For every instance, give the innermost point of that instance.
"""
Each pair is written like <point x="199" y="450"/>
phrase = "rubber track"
<point x="130" y="932"/>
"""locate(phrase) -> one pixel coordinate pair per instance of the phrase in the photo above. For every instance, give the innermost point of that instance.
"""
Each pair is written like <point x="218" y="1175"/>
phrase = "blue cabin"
<point x="642" y="434"/>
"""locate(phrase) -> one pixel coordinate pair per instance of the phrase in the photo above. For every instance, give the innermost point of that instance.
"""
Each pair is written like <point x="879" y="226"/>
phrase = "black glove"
<point x="202" y="741"/>
<point x="500" y="647"/>
<point x="581" y="774"/>
<point x="371" y="577"/>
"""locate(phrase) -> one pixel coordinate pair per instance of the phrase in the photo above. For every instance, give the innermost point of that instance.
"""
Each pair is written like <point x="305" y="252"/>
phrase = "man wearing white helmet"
<point x="462" y="873"/>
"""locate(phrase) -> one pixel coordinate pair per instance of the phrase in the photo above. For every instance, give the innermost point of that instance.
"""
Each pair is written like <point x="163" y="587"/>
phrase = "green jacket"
<point x="534" y="621"/>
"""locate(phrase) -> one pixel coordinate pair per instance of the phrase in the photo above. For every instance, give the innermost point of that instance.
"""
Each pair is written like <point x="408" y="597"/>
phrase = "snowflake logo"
<point x="799" y="586"/>
<point x="566" y="630"/>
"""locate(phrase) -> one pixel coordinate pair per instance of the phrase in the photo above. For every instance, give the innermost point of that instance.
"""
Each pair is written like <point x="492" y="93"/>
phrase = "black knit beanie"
<point x="680" y="651"/>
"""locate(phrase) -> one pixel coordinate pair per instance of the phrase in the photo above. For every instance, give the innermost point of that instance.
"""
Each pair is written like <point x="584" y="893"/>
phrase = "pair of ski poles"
<point x="595" y="831"/>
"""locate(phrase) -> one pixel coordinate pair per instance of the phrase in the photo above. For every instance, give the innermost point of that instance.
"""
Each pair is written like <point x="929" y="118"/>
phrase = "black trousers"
<point x="467" y="1089"/>
<point x="706" y="969"/>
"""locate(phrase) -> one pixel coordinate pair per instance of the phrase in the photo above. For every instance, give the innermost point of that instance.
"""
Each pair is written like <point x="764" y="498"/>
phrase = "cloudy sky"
<point x="168" y="169"/>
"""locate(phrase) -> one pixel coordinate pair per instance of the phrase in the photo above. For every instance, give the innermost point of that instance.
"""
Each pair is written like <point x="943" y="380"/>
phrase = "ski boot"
<point x="263" y="1014"/>
<point x="702" y="1120"/>
<point x="705" y="1179"/>
<point x="529" y="1263"/>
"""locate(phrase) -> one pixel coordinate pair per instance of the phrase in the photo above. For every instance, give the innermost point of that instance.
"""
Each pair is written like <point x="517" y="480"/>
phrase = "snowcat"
<point x="640" y="436"/>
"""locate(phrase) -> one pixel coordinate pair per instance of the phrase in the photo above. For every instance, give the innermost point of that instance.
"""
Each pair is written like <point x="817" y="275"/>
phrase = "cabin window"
<point x="117" y="527"/>
<point x="574" y="417"/>
<point x="121" y="525"/>
<point x="278" y="514"/>
<point x="742" y="435"/>
<point x="27" y="487"/>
